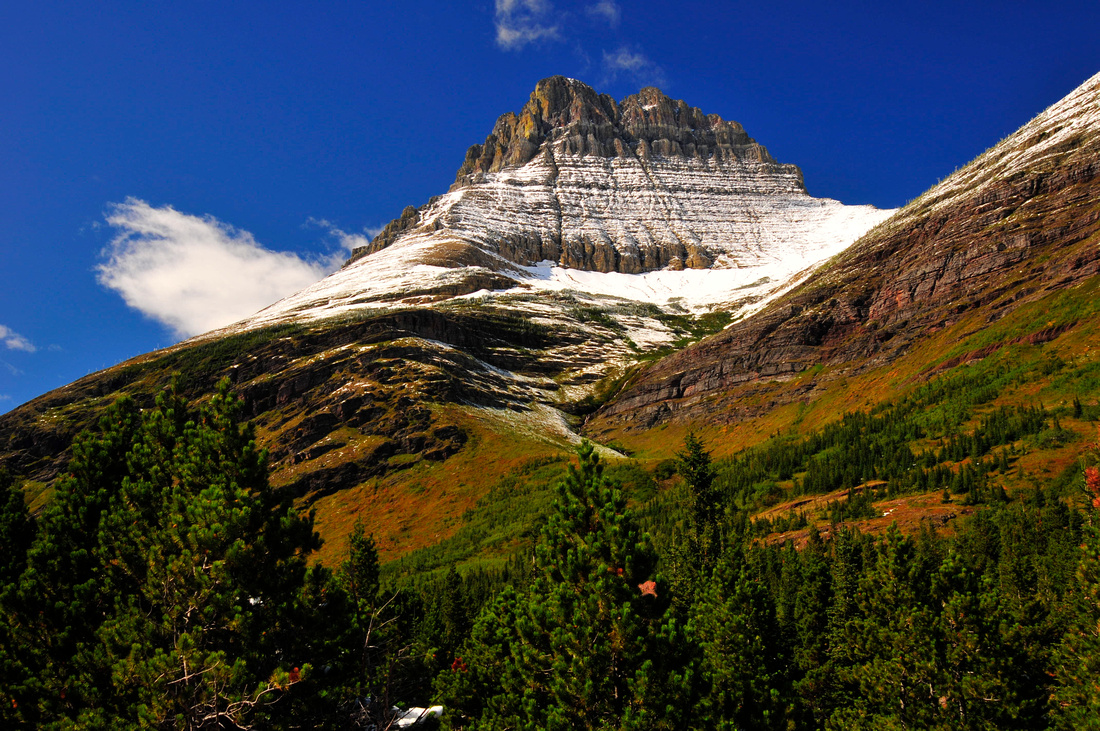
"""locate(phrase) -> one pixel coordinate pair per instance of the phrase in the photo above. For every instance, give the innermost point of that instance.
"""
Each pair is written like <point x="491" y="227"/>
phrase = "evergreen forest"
<point x="167" y="585"/>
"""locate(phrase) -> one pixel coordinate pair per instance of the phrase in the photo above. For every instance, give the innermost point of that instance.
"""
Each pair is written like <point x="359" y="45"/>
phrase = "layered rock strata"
<point x="579" y="182"/>
<point x="1019" y="222"/>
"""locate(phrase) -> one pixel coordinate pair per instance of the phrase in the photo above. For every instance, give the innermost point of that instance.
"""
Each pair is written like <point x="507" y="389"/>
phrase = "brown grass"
<point x="423" y="504"/>
<point x="909" y="512"/>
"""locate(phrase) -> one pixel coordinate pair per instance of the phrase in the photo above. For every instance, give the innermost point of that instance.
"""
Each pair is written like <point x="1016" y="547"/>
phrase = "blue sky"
<point x="164" y="164"/>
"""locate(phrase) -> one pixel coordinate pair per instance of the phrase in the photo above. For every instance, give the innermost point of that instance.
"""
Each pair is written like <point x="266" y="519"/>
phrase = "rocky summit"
<point x="577" y="185"/>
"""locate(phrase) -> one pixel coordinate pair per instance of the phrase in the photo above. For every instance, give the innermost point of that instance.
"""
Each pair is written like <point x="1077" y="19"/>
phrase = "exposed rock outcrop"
<point x="578" y="121"/>
<point x="1019" y="222"/>
<point x="580" y="180"/>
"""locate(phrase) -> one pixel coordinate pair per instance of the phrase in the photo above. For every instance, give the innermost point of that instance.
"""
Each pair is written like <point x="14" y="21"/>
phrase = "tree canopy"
<point x="167" y="585"/>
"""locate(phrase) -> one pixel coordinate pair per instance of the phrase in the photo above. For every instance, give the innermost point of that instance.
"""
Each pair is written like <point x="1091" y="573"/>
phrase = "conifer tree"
<point x="811" y="627"/>
<point x="378" y="632"/>
<point x="62" y="597"/>
<point x="591" y="643"/>
<point x="693" y="463"/>
<point x="743" y="655"/>
<point x="886" y="650"/>
<point x="692" y="559"/>
<point x="17" y="531"/>
<point x="360" y="571"/>
<point x="168" y="584"/>
<point x="1076" y="700"/>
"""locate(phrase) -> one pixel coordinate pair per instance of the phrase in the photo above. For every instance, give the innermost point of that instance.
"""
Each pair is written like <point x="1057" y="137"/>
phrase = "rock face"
<point x="645" y="186"/>
<point x="580" y="180"/>
<point x="578" y="121"/>
<point x="1019" y="222"/>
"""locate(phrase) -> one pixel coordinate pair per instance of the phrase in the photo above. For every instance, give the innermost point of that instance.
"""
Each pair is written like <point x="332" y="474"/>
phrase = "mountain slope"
<point x="582" y="236"/>
<point x="1020" y="222"/>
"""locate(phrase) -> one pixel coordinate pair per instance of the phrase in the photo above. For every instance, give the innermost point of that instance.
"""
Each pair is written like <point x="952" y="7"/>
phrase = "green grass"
<point x="508" y="519"/>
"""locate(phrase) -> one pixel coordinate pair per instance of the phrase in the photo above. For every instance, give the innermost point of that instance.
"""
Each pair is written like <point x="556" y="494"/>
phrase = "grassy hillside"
<point x="1040" y="358"/>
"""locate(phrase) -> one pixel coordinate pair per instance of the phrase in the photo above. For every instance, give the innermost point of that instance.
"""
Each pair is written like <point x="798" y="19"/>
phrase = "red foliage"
<point x="648" y="588"/>
<point x="1092" y="481"/>
<point x="458" y="666"/>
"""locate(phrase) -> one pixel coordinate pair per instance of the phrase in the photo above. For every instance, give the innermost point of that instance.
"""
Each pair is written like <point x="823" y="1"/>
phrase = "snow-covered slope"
<point x="647" y="200"/>
<point x="1067" y="129"/>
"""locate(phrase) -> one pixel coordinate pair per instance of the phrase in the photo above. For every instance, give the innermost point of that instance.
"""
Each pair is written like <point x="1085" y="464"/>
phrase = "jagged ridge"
<point x="640" y="185"/>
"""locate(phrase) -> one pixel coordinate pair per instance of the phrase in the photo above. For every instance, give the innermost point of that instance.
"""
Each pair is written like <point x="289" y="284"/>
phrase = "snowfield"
<point x="760" y="231"/>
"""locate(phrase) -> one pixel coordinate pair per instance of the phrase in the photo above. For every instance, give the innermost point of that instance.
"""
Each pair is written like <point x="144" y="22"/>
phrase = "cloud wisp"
<point x="14" y="341"/>
<point x="634" y="65"/>
<point x="608" y="10"/>
<point x="195" y="274"/>
<point x="522" y="22"/>
<point x="347" y="241"/>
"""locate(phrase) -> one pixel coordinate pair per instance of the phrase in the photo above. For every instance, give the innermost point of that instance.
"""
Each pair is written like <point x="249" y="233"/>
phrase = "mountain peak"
<point x="577" y="182"/>
<point x="577" y="119"/>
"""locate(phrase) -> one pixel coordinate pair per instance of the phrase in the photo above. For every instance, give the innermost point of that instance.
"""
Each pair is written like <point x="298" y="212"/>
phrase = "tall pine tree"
<point x="1076" y="700"/>
<point x="591" y="643"/>
<point x="168" y="587"/>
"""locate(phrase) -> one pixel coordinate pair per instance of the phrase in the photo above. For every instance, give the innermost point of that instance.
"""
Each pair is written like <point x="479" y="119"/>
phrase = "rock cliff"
<point x="1019" y="222"/>
<point x="576" y="120"/>
<point x="647" y="183"/>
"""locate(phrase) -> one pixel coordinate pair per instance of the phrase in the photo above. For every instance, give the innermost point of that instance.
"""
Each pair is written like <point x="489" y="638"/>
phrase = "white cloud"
<point x="520" y="22"/>
<point x="347" y="241"/>
<point x="633" y="64"/>
<point x="195" y="274"/>
<point x="14" y="341"/>
<point x="5" y="397"/>
<point x="609" y="10"/>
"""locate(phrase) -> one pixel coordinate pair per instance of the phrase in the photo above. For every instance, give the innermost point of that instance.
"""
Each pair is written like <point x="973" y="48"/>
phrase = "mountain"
<point x="987" y="245"/>
<point x="577" y="189"/>
<point x="567" y="282"/>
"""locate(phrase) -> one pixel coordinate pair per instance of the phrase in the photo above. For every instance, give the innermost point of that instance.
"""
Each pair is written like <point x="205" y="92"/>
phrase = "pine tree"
<point x="1076" y="699"/>
<point x="360" y="572"/>
<point x="590" y="644"/>
<point x="886" y="652"/>
<point x="17" y="531"/>
<point x="811" y="628"/>
<point x="62" y="597"/>
<point x="743" y="655"/>
<point x="379" y="633"/>
<point x="693" y="463"/>
<point x="168" y="585"/>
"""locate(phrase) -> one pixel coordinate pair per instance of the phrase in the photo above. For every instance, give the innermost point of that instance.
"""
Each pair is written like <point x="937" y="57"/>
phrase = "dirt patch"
<point x="910" y="512"/>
